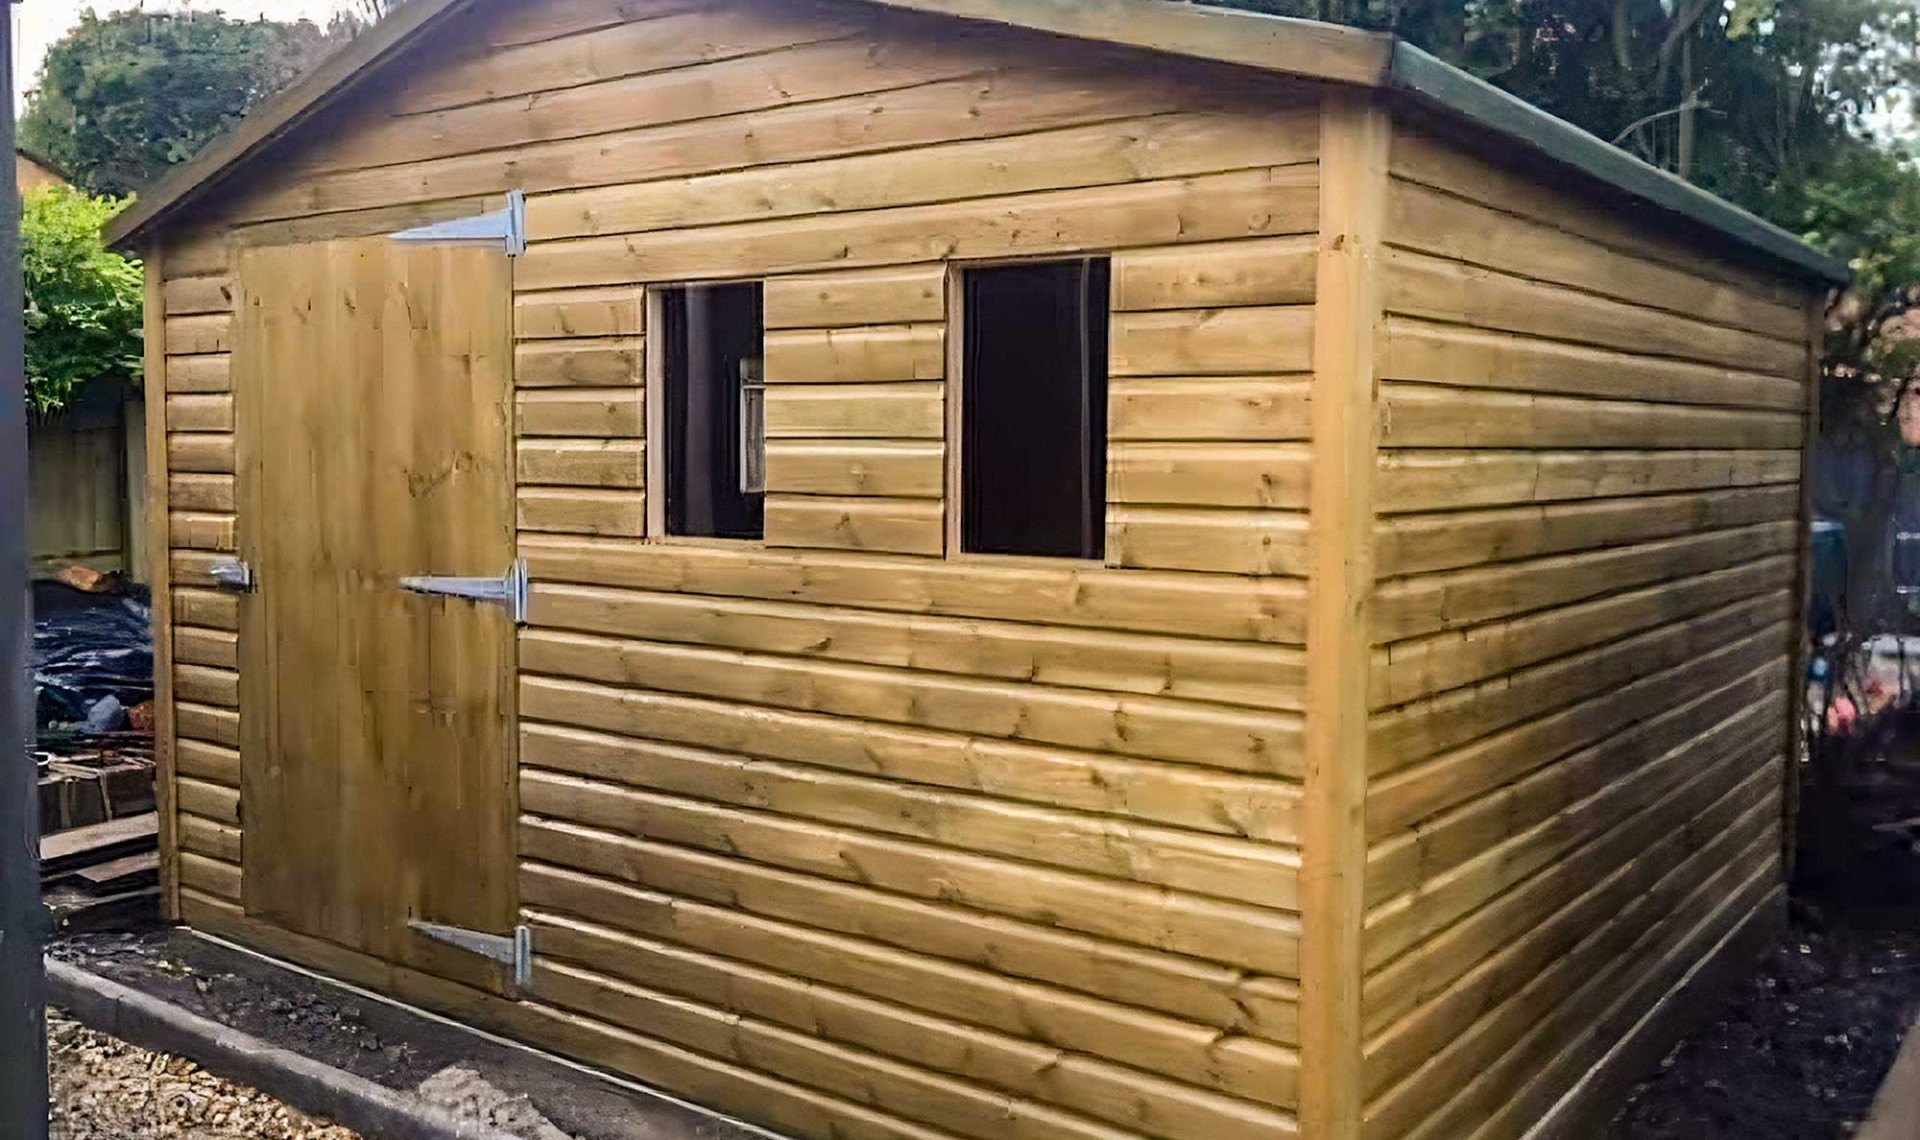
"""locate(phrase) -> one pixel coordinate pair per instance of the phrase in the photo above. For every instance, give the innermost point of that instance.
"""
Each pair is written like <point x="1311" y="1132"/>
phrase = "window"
<point x="1033" y="418"/>
<point x="715" y="410"/>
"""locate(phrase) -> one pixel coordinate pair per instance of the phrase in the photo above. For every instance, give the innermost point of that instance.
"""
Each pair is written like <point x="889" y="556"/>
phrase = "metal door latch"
<point x="509" y="589"/>
<point x="232" y="575"/>
<point x="514" y="949"/>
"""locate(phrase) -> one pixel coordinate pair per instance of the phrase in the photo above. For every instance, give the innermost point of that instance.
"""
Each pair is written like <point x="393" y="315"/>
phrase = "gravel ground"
<point x="105" y="1089"/>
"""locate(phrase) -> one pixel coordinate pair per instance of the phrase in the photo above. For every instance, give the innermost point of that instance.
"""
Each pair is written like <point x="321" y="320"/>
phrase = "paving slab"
<point x="334" y="1050"/>
<point x="1896" y="1107"/>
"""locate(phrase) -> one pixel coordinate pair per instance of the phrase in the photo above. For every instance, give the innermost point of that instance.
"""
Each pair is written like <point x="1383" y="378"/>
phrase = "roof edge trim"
<point x="1422" y="76"/>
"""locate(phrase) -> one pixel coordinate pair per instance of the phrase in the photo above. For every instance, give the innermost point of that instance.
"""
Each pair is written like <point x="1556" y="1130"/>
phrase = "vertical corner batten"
<point x="1354" y="138"/>
<point x="153" y="386"/>
<point x="1800" y="650"/>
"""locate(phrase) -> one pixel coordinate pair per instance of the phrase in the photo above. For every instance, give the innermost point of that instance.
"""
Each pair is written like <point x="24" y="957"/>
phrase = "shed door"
<point x="372" y="386"/>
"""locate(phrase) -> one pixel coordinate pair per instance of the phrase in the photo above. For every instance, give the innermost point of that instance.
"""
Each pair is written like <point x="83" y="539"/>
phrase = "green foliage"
<point x="123" y="97"/>
<point x="82" y="300"/>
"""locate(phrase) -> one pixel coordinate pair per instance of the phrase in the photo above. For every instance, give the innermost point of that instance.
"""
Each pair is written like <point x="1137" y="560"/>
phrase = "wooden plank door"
<point x="373" y="386"/>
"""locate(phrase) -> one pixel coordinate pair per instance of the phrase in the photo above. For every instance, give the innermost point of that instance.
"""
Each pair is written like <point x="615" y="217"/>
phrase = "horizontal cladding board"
<point x="206" y="686"/>
<point x="1209" y="474"/>
<point x="868" y="354"/>
<point x="188" y="530"/>
<point x="208" y="332"/>
<point x="1253" y="203"/>
<point x="1411" y="670"/>
<point x="1419" y="415"/>
<point x="1208" y="408"/>
<point x="970" y="1111"/>
<point x="890" y="295"/>
<point x="1145" y="727"/>
<point x="205" y="607"/>
<point x="1035" y="1072"/>
<point x="598" y="413"/>
<point x="935" y="956"/>
<point x="607" y="362"/>
<point x="1405" y="735"/>
<point x="582" y="510"/>
<point x="1413" y="544"/>
<point x="215" y="801"/>
<point x="202" y="760"/>
<point x="843" y="100"/>
<point x="1105" y="153"/>
<point x="1045" y="655"/>
<point x="207" y="373"/>
<point x="1261" y="676"/>
<point x="1419" y="156"/>
<point x="1239" y="870"/>
<point x="1416" y="350"/>
<point x="1469" y="229"/>
<point x="523" y="24"/>
<point x="1192" y="342"/>
<point x="1417" y="285"/>
<point x="1418" y="480"/>
<point x="203" y="453"/>
<point x="209" y="493"/>
<point x="194" y="723"/>
<point x="214" y="877"/>
<point x="619" y="312"/>
<point x="896" y="526"/>
<point x="904" y="411"/>
<point x="1188" y="797"/>
<point x="1236" y="609"/>
<point x="1215" y="541"/>
<point x="914" y="469"/>
<point x="377" y="221"/>
<point x="1265" y="271"/>
<point x="1408" y="797"/>
<point x="604" y="463"/>
<point x="1609" y="1007"/>
<point x="208" y="837"/>
<point x="200" y="413"/>
<point x="185" y="296"/>
<point x="1211" y="930"/>
<point x="1401" y="986"/>
<point x="1426" y="604"/>
<point x="1448" y="895"/>
<point x="195" y="646"/>
<point x="1508" y="1040"/>
<point x="1604" y="910"/>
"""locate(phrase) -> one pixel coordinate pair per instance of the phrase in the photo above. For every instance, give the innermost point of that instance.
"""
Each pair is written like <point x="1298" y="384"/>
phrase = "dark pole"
<point x="23" y="1032"/>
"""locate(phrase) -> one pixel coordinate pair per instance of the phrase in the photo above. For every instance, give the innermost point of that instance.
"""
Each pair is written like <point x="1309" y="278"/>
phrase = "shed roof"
<point x="1280" y="44"/>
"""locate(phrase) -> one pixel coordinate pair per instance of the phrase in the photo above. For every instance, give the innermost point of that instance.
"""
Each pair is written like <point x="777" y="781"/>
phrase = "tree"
<point x="82" y="300"/>
<point x="123" y="97"/>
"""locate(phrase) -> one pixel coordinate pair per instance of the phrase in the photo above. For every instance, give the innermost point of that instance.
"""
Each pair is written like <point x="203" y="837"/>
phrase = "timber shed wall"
<point x="853" y="837"/>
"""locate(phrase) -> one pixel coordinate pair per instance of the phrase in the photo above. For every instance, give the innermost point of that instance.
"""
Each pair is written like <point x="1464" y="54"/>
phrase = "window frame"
<point x="955" y="416"/>
<point x="654" y="399"/>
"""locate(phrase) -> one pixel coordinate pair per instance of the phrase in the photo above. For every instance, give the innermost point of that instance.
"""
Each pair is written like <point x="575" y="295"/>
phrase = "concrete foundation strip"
<point x="1896" y="1108"/>
<point x="373" y="1110"/>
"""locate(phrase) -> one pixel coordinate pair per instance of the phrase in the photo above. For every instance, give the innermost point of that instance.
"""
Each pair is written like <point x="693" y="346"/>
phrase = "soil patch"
<point x="1798" y="1048"/>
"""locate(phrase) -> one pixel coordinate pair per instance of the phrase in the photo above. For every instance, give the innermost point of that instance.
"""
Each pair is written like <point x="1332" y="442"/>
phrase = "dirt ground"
<point x="101" y="1088"/>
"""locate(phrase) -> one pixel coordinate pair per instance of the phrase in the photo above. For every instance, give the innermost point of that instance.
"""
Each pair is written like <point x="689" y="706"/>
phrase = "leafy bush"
<point x="82" y="300"/>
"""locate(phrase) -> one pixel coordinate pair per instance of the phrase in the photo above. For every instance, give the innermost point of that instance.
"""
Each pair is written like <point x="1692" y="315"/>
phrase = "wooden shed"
<point x="979" y="569"/>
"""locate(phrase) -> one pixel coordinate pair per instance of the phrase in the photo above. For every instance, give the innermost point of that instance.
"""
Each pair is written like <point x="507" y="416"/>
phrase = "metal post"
<point x="23" y="1034"/>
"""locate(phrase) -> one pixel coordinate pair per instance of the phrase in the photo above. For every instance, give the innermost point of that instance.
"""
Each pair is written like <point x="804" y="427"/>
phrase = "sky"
<point x="38" y="23"/>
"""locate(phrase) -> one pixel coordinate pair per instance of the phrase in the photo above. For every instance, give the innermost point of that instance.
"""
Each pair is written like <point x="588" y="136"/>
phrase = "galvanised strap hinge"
<point x="509" y="589"/>
<point x="505" y="227"/>
<point x="514" y="949"/>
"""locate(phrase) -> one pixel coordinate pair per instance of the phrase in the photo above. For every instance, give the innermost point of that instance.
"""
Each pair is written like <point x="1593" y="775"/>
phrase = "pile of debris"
<point x="92" y="656"/>
<point x="102" y="874"/>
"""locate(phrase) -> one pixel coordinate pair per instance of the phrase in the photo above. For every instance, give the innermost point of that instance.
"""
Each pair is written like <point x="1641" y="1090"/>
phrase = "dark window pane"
<point x="711" y="345"/>
<point x="1034" y="409"/>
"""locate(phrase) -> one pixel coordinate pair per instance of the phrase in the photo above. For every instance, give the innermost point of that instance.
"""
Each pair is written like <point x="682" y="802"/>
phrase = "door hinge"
<point x="505" y="227"/>
<point x="232" y="575"/>
<point x="514" y="949"/>
<point x="509" y="589"/>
